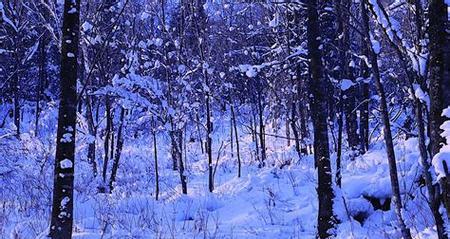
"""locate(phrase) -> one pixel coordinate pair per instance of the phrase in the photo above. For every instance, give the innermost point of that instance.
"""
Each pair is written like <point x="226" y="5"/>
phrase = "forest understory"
<point x="276" y="201"/>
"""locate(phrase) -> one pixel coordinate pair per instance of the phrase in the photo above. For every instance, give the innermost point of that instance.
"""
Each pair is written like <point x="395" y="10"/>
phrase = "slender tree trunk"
<point x="326" y="219"/>
<point x="396" y="197"/>
<point x="62" y="206"/>
<point x="155" y="151"/>
<point x="348" y="99"/>
<point x="119" y="147"/>
<point x="233" y="117"/>
<point x="16" y="89"/>
<point x="261" y="131"/>
<point x="176" y="138"/>
<point x="41" y="80"/>
<point x="198" y="132"/>
<point x="364" y="99"/>
<point x="293" y="121"/>
<point x="209" y="140"/>
<point x="91" y="127"/>
<point x="288" y="131"/>
<point x="106" y="142"/>
<point x="434" y="202"/>
<point x="339" y="145"/>
<point x="231" y="138"/>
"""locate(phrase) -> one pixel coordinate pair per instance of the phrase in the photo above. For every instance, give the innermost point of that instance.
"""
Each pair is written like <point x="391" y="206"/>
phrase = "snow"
<point x="66" y="138"/>
<point x="265" y="202"/>
<point x="441" y="161"/>
<point x="72" y="10"/>
<point x="421" y="95"/>
<point x="66" y="163"/>
<point x="346" y="84"/>
<point x="86" y="26"/>
<point x="249" y="70"/>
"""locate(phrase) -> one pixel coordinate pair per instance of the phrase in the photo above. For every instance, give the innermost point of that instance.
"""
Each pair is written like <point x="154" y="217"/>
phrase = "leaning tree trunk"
<point x="387" y="126"/>
<point x="326" y="218"/>
<point x="62" y="207"/>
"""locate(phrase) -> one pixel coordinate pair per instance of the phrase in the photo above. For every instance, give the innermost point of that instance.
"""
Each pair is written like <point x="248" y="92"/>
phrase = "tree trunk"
<point x="176" y="138"/>
<point x="209" y="129"/>
<point x="293" y="121"/>
<point x="119" y="147"/>
<point x="93" y="133"/>
<point x="326" y="218"/>
<point x="155" y="151"/>
<point x="62" y="206"/>
<point x="233" y="117"/>
<point x="261" y="131"/>
<point x="339" y="145"/>
<point x="345" y="73"/>
<point x="41" y="80"/>
<point x="106" y="142"/>
<point x="439" y="78"/>
<point x="387" y="126"/>
<point x="16" y="90"/>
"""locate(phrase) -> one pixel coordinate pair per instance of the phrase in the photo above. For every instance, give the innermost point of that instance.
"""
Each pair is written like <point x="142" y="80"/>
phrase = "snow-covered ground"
<point x="269" y="202"/>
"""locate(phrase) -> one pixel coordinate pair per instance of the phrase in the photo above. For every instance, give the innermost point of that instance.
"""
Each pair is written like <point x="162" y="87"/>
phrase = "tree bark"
<point x="233" y="117"/>
<point x="40" y="85"/>
<point x="62" y="206"/>
<point x="439" y="80"/>
<point x="396" y="198"/>
<point x="155" y="152"/>
<point x="119" y="147"/>
<point x="326" y="219"/>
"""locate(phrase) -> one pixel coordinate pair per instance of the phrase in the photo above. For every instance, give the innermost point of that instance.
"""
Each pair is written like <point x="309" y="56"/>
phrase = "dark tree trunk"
<point x="262" y="139"/>
<point x="339" y="144"/>
<point x="209" y="129"/>
<point x="93" y="133"/>
<point x="396" y="197"/>
<point x="439" y="72"/>
<point x="16" y="90"/>
<point x="62" y="207"/>
<point x="293" y="120"/>
<point x="155" y="151"/>
<point x="119" y="147"/>
<point x="233" y="117"/>
<point x="326" y="218"/>
<point x="364" y="95"/>
<point x="439" y="79"/>
<point x="107" y="138"/>
<point x="41" y="81"/>
<point x="176" y="139"/>
<point x="345" y="73"/>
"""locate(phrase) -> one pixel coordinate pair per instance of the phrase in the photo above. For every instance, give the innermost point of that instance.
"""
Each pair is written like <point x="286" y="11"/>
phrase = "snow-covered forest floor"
<point x="276" y="201"/>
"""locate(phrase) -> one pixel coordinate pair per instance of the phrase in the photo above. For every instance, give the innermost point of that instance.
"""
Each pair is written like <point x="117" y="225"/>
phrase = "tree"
<point x="62" y="206"/>
<point x="373" y="59"/>
<point x="439" y="80"/>
<point x="319" y="116"/>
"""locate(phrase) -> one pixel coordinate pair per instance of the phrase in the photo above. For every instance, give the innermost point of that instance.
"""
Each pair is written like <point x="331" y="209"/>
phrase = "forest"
<point x="224" y="119"/>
